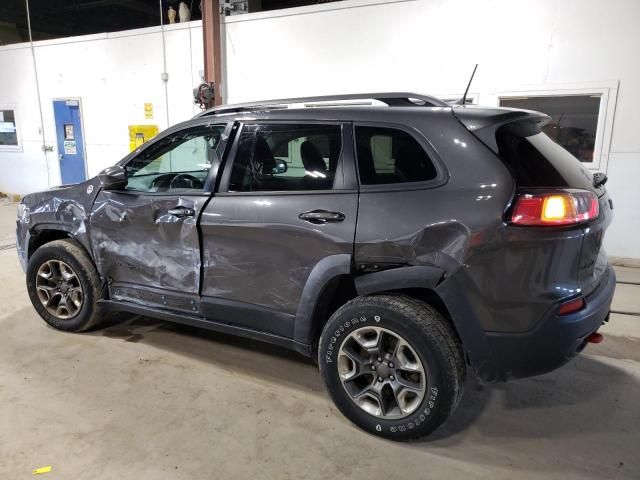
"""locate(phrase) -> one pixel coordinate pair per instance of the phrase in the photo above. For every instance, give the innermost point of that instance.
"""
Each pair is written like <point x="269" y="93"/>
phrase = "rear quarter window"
<point x="388" y="156"/>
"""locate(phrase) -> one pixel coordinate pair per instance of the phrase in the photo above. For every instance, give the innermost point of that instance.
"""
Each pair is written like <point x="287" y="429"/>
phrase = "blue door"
<point x="70" y="141"/>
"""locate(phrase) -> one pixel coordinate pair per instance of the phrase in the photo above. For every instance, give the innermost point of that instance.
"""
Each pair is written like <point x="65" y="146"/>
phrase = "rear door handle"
<point x="182" y="212"/>
<point x="318" y="217"/>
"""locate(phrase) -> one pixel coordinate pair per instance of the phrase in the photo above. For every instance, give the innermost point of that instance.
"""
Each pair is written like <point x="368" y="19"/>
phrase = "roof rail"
<point x="392" y="99"/>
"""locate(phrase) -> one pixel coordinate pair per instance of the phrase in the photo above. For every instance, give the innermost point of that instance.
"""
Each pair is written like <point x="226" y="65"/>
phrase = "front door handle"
<point x="182" y="212"/>
<point x="319" y="217"/>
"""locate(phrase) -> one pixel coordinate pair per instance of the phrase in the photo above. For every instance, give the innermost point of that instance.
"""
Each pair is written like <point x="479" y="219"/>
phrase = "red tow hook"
<point x="595" y="337"/>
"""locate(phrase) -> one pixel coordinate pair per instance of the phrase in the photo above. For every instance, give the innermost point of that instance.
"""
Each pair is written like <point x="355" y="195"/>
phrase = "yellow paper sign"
<point x="138" y="134"/>
<point x="40" y="470"/>
<point x="148" y="110"/>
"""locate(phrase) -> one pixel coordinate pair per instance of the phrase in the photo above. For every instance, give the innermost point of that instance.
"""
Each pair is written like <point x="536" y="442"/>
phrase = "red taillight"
<point x="571" y="306"/>
<point x="555" y="208"/>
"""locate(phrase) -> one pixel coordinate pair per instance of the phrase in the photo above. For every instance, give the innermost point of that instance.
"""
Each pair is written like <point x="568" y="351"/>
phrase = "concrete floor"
<point x="148" y="400"/>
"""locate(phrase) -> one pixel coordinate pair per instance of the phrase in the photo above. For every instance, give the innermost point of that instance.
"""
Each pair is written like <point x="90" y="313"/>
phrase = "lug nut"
<point x="373" y="367"/>
<point x="379" y="359"/>
<point x="392" y="378"/>
<point x="390" y="365"/>
<point x="379" y="379"/>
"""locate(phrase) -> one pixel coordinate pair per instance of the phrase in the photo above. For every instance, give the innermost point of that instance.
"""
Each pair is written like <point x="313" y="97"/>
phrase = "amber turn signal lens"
<point x="556" y="207"/>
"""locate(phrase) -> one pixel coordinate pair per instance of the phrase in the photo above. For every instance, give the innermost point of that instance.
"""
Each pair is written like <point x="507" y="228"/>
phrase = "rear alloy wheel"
<point x="381" y="372"/>
<point x="64" y="286"/>
<point x="392" y="364"/>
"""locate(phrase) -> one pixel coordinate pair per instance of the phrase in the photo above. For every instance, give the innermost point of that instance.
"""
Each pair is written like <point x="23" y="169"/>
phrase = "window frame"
<point x="210" y="182"/>
<point x="13" y="148"/>
<point x="345" y="180"/>
<point x="608" y="92"/>
<point x="442" y="174"/>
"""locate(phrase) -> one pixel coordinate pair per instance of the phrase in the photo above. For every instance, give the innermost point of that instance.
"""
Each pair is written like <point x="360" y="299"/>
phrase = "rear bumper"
<point x="555" y="340"/>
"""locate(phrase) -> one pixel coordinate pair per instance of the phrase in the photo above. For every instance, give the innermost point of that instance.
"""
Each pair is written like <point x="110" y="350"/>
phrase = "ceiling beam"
<point x="77" y="7"/>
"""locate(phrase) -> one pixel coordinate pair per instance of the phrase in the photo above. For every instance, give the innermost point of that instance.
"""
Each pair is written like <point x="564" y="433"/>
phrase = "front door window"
<point x="179" y="162"/>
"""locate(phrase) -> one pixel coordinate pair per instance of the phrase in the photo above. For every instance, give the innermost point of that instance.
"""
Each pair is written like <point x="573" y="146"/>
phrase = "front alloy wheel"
<point x="64" y="286"/>
<point x="59" y="289"/>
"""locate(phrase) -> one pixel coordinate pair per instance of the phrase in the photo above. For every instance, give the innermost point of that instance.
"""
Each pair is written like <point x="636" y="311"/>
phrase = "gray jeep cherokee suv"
<point x="394" y="238"/>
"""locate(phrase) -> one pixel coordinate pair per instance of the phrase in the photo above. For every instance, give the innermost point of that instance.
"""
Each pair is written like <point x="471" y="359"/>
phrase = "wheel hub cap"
<point x="383" y="370"/>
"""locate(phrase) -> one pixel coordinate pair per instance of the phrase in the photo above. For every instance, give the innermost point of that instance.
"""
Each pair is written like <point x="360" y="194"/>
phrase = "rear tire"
<point x="417" y="384"/>
<point x="64" y="286"/>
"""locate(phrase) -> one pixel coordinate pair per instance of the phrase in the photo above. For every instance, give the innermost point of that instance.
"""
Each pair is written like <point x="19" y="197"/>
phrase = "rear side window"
<point x="286" y="157"/>
<point x="537" y="161"/>
<point x="389" y="155"/>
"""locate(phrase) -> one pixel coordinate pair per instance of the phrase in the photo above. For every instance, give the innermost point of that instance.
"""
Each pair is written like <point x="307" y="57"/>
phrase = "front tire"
<point x="64" y="286"/>
<point x="392" y="365"/>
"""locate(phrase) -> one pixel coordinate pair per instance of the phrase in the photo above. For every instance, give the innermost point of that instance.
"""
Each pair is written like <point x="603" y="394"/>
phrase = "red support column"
<point x="212" y="51"/>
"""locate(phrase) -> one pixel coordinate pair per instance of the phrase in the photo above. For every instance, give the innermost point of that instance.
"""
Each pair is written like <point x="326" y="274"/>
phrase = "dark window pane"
<point x="538" y="161"/>
<point x="8" y="129"/>
<point x="574" y="119"/>
<point x="277" y="157"/>
<point x="387" y="155"/>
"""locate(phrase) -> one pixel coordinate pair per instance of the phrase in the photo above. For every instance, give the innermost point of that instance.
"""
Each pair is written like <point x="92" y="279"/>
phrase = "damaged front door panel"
<point x="137" y="240"/>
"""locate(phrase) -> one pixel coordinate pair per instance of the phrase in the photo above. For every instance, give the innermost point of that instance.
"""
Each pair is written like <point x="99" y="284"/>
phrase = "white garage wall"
<point x="25" y="171"/>
<point x="427" y="46"/>
<point x="114" y="75"/>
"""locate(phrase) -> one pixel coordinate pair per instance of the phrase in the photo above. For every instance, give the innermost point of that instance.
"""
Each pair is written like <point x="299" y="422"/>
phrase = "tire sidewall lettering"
<point x="329" y="356"/>
<point x="418" y="417"/>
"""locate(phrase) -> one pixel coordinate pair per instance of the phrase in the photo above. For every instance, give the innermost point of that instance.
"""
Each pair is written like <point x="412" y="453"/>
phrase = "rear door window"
<point x="286" y="157"/>
<point x="388" y="155"/>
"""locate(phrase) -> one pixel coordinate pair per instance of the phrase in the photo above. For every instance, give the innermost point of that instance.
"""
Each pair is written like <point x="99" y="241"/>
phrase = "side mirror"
<point x="113" y="178"/>
<point x="281" y="167"/>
